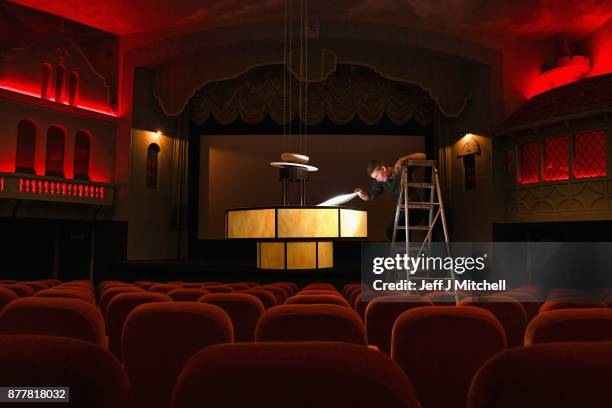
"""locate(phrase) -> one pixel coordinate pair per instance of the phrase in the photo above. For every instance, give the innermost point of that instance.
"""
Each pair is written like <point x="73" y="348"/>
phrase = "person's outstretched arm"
<point x="400" y="162"/>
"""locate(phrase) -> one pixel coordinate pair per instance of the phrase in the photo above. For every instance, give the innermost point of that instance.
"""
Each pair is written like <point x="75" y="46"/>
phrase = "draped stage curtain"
<point x="352" y="90"/>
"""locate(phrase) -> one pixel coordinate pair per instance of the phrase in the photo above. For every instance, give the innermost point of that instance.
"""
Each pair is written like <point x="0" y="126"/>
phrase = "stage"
<point x="232" y="261"/>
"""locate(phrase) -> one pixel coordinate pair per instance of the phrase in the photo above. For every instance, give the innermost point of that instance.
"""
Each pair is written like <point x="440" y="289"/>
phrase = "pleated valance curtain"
<point x="351" y="91"/>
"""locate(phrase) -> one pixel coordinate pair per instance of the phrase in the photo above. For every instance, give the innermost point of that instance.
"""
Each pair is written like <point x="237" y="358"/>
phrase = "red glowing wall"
<point x="529" y="163"/>
<point x="556" y="159"/>
<point x="590" y="154"/>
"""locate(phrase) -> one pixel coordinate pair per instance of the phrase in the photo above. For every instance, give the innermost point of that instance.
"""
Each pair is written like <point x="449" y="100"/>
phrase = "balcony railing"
<point x="22" y="186"/>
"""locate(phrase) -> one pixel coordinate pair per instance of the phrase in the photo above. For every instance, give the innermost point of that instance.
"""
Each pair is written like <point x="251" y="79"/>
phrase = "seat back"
<point x="545" y="375"/>
<point x="382" y="312"/>
<point x="66" y="293"/>
<point x="94" y="377"/>
<point x="6" y="296"/>
<point x="163" y="287"/>
<point x="317" y="299"/>
<point x="108" y="294"/>
<point x="569" y="303"/>
<point x="510" y="313"/>
<point x="267" y="298"/>
<point x="20" y="289"/>
<point x="320" y="286"/>
<point x="187" y="294"/>
<point x="119" y="309"/>
<point x="158" y="338"/>
<point x="311" y="323"/>
<point x="244" y="310"/>
<point x="575" y="325"/>
<point x="441" y="347"/>
<point x="53" y="317"/>
<point x="303" y="375"/>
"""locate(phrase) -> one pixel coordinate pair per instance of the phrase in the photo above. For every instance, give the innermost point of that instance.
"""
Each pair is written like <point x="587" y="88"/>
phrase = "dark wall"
<point x="40" y="248"/>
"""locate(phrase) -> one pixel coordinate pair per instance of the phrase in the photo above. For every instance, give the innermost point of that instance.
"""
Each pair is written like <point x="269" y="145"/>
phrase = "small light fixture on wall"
<point x="157" y="135"/>
<point x="468" y="148"/>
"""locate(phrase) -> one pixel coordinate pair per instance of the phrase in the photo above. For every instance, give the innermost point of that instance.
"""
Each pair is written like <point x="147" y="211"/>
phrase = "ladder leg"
<point x="406" y="213"/>
<point x="397" y="213"/>
<point x="444" y="227"/>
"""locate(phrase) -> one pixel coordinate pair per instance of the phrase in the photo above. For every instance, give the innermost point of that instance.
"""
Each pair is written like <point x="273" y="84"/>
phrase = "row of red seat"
<point x="424" y="339"/>
<point x="307" y="374"/>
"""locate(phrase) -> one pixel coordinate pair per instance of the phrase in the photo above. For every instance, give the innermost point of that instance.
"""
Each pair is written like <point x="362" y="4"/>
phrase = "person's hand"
<point x="362" y="193"/>
<point x="398" y="166"/>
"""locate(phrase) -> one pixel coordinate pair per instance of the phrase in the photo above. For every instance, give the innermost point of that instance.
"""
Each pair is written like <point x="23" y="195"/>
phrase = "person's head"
<point x="378" y="170"/>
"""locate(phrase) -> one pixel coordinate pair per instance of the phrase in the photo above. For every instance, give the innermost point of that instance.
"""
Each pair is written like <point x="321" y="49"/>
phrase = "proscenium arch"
<point x="265" y="48"/>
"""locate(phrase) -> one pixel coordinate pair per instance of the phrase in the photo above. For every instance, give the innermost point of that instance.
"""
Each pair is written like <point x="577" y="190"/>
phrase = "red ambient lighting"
<point x="590" y="154"/>
<point x="564" y="70"/>
<point x="556" y="159"/>
<point x="60" y="188"/>
<point x="529" y="163"/>
<point x="36" y="94"/>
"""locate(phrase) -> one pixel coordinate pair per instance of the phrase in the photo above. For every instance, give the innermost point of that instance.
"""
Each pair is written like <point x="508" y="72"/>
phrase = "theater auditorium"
<point x="192" y="191"/>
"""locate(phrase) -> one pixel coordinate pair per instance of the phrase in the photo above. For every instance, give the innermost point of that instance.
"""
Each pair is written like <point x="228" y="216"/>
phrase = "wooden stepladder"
<point x="432" y="203"/>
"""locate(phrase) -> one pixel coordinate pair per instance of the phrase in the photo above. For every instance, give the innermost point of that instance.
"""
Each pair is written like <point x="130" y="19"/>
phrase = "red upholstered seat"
<point x="311" y="323"/>
<point x="251" y="284"/>
<point x="119" y="309"/>
<point x="110" y="293"/>
<point x="528" y="300"/>
<point x="163" y="287"/>
<point x="244" y="310"/>
<point x="20" y="289"/>
<point x="280" y="293"/>
<point x="53" y="317"/>
<point x="36" y="285"/>
<point x="238" y="286"/>
<point x="187" y="295"/>
<point x="510" y="313"/>
<point x="361" y="306"/>
<point x="146" y="285"/>
<point x="296" y="375"/>
<point x="52" y="282"/>
<point x="306" y="299"/>
<point x="158" y="338"/>
<point x="349" y="287"/>
<point x="290" y="287"/>
<point x="568" y="303"/>
<point x="443" y="298"/>
<point x="218" y="288"/>
<point x="353" y="295"/>
<point x="108" y="283"/>
<point x="95" y="378"/>
<point x="382" y="312"/>
<point x="6" y="296"/>
<point x="560" y="375"/>
<point x="192" y="285"/>
<point x="592" y="324"/>
<point x="566" y="292"/>
<point x="65" y="293"/>
<point x="319" y="292"/>
<point x="294" y="287"/>
<point x="441" y="347"/>
<point x="320" y="286"/>
<point x="267" y="298"/>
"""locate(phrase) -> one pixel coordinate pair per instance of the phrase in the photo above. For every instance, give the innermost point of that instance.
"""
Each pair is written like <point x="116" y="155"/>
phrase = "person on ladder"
<point x="388" y="179"/>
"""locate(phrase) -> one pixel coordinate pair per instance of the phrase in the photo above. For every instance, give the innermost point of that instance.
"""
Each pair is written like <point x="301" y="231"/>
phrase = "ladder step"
<point x="420" y="185"/>
<point x="423" y="163"/>
<point x="419" y="205"/>
<point x="414" y="228"/>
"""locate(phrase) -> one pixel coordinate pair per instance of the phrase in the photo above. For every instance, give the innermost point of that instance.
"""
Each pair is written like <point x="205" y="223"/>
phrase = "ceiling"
<point x="529" y="18"/>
